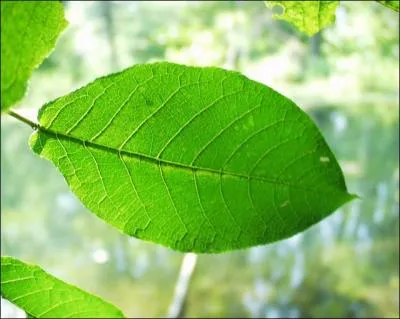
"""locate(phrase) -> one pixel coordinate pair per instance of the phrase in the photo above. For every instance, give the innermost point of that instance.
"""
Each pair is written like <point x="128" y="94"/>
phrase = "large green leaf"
<point x="197" y="159"/>
<point x="29" y="30"/>
<point x="43" y="296"/>
<point x="308" y="16"/>
<point x="394" y="5"/>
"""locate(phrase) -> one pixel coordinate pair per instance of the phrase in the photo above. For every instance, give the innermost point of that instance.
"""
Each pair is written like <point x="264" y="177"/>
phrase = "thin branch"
<point x="176" y="309"/>
<point x="20" y="118"/>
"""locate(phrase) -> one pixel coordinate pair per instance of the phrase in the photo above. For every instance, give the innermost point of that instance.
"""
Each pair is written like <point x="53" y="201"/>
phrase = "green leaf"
<point x="307" y="16"/>
<point x="394" y="5"/>
<point x="41" y="295"/>
<point x="196" y="159"/>
<point x="29" y="30"/>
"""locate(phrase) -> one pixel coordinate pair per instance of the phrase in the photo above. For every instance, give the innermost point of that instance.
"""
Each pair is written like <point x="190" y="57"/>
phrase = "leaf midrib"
<point x="186" y="167"/>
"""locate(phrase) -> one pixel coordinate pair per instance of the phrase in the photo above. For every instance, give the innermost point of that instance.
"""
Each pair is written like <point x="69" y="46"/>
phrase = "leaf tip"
<point x="349" y="197"/>
<point x="353" y="196"/>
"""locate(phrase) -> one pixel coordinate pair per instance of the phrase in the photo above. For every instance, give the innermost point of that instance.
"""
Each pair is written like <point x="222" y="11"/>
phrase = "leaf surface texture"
<point x="29" y="30"/>
<point x="307" y="16"/>
<point x="196" y="159"/>
<point x="41" y="295"/>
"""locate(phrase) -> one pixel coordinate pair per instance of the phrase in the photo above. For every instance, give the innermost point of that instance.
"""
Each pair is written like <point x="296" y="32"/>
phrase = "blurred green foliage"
<point x="345" y="77"/>
<point x="308" y="16"/>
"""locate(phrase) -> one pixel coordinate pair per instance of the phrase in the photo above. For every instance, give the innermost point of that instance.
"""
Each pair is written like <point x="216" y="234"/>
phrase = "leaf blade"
<point x="308" y="16"/>
<point x="41" y="295"/>
<point x="141" y="165"/>
<point x="29" y="32"/>
<point x="394" y="5"/>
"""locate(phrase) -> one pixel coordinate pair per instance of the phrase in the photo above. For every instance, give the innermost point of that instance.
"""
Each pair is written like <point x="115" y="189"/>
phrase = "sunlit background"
<point x="345" y="78"/>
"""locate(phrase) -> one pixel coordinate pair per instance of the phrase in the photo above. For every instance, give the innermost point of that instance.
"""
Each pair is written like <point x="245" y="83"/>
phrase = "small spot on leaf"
<point x="324" y="159"/>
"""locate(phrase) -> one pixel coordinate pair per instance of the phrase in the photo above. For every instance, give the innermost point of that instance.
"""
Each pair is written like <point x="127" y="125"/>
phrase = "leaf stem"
<point x="19" y="117"/>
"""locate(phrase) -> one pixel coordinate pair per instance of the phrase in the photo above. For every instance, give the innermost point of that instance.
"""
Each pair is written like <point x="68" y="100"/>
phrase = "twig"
<point x="182" y="285"/>
<point x="20" y="118"/>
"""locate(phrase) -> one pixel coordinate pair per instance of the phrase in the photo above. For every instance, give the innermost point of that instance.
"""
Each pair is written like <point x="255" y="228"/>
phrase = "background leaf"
<point x="197" y="159"/>
<point x="43" y="296"/>
<point x="307" y="16"/>
<point x="394" y="5"/>
<point x="29" y="30"/>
